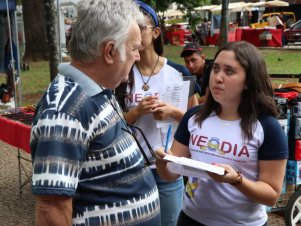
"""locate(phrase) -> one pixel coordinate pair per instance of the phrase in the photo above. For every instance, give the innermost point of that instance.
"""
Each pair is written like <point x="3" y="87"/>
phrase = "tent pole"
<point x="19" y="81"/>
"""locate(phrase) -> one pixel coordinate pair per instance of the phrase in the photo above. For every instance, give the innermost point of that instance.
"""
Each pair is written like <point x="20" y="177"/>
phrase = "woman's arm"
<point x="269" y="185"/>
<point x="177" y="149"/>
<point x="192" y="101"/>
<point x="266" y="190"/>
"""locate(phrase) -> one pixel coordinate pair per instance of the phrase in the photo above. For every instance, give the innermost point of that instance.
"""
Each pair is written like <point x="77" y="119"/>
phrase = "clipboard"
<point x="192" y="84"/>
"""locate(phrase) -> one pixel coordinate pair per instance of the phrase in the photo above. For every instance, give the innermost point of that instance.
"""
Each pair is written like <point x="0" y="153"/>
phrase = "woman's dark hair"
<point x="120" y="91"/>
<point x="257" y="100"/>
<point x="158" y="42"/>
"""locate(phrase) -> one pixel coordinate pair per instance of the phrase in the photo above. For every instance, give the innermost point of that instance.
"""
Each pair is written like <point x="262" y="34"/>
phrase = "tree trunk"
<point x="35" y="32"/>
<point x="224" y="24"/>
<point x="51" y="22"/>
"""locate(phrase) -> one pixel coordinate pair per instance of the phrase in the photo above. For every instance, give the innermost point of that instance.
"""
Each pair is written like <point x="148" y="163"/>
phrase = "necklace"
<point x="145" y="85"/>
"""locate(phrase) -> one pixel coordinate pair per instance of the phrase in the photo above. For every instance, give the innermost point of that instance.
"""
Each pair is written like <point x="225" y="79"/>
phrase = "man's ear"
<point x="203" y="56"/>
<point x="109" y="52"/>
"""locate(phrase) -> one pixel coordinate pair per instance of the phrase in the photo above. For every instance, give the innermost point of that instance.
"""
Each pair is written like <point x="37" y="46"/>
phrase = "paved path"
<point x="18" y="210"/>
<point x="15" y="209"/>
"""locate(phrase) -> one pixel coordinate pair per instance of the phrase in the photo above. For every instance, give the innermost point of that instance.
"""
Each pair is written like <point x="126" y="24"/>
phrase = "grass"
<point x="36" y="80"/>
<point x="279" y="61"/>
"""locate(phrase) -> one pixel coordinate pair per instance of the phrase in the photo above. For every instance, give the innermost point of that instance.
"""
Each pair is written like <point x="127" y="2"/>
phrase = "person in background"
<point x="204" y="31"/>
<point x="196" y="62"/>
<point x="140" y="98"/>
<point x="235" y="129"/>
<point x="4" y="40"/>
<point x="87" y="167"/>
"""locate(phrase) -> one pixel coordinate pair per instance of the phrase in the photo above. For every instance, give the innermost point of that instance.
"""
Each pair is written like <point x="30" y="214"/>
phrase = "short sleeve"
<point x="58" y="151"/>
<point x="275" y="144"/>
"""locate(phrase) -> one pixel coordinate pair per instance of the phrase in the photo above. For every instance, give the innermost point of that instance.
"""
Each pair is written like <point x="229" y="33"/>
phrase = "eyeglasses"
<point x="144" y="27"/>
<point x="133" y="131"/>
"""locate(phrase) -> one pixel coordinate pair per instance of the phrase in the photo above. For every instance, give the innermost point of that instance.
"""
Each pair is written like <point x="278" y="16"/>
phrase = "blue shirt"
<point x="80" y="149"/>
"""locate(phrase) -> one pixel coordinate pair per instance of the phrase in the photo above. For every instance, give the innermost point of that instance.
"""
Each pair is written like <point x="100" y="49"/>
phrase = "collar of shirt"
<point x="84" y="81"/>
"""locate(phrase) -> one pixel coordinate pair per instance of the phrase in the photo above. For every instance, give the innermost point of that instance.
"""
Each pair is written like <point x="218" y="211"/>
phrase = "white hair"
<point x="100" y="21"/>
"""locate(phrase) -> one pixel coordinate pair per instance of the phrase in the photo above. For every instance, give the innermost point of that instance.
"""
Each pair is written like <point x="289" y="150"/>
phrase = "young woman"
<point x="235" y="129"/>
<point x="140" y="98"/>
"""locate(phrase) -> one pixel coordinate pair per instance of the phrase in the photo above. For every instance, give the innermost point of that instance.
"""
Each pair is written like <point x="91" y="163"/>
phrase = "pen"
<point x="167" y="138"/>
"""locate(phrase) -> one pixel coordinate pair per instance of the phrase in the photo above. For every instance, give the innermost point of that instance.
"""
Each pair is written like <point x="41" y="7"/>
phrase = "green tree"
<point x="159" y="5"/>
<point x="215" y="2"/>
<point x="187" y="7"/>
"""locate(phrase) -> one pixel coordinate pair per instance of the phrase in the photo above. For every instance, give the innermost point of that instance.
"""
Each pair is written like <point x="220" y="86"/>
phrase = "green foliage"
<point x="186" y="6"/>
<point x="158" y="5"/>
<point x="215" y="2"/>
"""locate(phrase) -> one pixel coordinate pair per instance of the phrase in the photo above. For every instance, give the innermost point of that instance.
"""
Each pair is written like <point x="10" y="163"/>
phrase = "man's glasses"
<point x="133" y="130"/>
<point x="144" y="27"/>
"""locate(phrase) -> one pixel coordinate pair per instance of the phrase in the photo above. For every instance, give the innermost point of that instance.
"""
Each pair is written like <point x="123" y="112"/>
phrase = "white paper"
<point x="175" y="94"/>
<point x="192" y="168"/>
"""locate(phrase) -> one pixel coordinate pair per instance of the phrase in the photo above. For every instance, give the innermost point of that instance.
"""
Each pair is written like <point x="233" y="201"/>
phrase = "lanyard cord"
<point x="128" y="128"/>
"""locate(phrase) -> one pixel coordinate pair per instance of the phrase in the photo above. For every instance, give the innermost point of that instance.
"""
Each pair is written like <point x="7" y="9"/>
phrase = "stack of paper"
<point x="192" y="168"/>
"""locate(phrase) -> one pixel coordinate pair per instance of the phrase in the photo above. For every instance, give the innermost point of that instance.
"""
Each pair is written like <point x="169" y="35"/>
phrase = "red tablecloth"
<point x="252" y="36"/>
<point x="175" y="37"/>
<point x="15" y="133"/>
<point x="213" y="40"/>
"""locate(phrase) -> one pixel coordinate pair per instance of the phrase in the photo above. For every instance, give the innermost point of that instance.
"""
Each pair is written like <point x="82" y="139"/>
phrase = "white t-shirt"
<point x="168" y="74"/>
<point x="218" y="141"/>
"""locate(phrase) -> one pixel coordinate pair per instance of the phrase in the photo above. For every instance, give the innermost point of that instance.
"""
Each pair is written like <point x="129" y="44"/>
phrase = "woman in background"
<point x="140" y="99"/>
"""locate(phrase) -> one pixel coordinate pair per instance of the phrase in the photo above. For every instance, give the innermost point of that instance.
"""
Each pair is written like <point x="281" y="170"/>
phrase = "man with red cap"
<point x="197" y="64"/>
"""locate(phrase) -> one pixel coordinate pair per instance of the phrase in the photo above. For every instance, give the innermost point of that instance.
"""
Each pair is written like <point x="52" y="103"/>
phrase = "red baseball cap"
<point x="192" y="47"/>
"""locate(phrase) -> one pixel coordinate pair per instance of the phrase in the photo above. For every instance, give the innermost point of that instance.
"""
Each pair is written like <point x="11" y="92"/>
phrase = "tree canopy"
<point x="186" y="6"/>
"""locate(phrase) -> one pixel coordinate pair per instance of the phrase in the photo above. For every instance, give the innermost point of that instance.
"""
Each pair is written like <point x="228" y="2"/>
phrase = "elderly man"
<point x="197" y="64"/>
<point x="87" y="168"/>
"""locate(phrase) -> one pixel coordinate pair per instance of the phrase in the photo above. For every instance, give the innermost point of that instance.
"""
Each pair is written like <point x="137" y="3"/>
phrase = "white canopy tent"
<point x="276" y="3"/>
<point x="233" y="7"/>
<point x="206" y="7"/>
<point x="239" y="6"/>
<point x="172" y="13"/>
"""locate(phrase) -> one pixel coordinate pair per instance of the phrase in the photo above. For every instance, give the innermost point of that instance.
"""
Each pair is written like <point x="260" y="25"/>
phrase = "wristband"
<point x="239" y="179"/>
